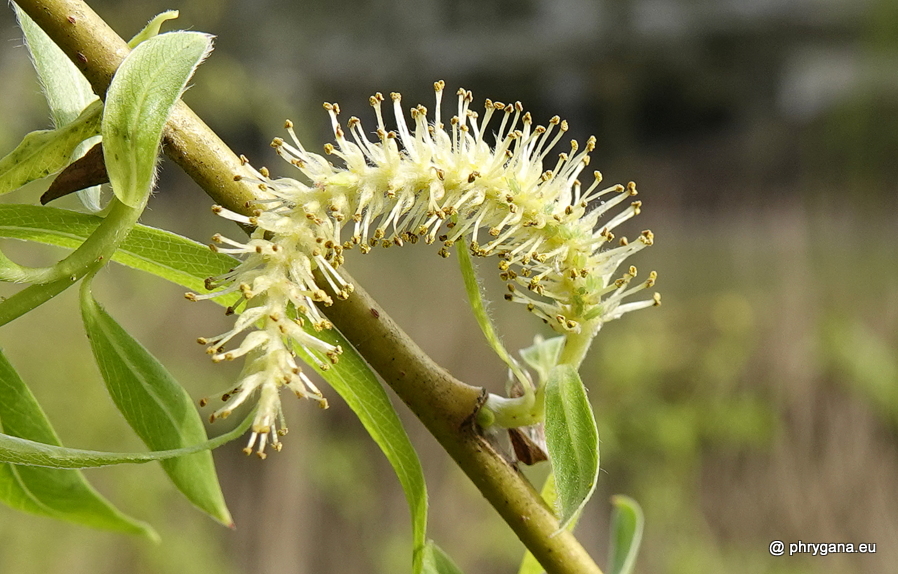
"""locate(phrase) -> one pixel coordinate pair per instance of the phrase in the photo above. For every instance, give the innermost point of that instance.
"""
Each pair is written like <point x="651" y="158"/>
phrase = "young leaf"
<point x="47" y="151"/>
<point x="354" y="380"/>
<point x="151" y="30"/>
<point x="155" y="405"/>
<point x="67" y="91"/>
<point x="25" y="452"/>
<point x="62" y="494"/>
<point x="543" y="355"/>
<point x="626" y="534"/>
<point x="572" y="439"/>
<point x="142" y="93"/>
<point x="438" y="562"/>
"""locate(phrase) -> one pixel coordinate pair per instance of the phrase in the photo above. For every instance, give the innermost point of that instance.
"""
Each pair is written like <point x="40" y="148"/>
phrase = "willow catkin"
<point x="553" y="238"/>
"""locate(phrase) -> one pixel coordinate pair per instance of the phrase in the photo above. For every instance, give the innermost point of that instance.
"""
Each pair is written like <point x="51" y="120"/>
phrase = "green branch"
<point x="446" y="406"/>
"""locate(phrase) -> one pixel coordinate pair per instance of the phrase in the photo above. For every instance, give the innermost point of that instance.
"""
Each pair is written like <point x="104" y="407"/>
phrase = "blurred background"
<point x="760" y="402"/>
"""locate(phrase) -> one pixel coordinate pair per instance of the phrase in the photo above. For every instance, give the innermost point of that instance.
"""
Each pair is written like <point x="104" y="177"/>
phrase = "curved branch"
<point x="445" y="405"/>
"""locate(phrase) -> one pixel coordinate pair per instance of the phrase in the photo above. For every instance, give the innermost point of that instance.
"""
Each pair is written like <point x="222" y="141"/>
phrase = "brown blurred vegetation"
<point x="760" y="402"/>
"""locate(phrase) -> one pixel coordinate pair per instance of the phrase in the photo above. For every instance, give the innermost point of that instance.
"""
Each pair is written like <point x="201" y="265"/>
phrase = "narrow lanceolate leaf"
<point x="19" y="451"/>
<point x="626" y="534"/>
<point x="170" y="256"/>
<point x="44" y="152"/>
<point x="356" y="383"/>
<point x="154" y="404"/>
<point x="67" y="91"/>
<point x="572" y="439"/>
<point x="142" y="93"/>
<point x="62" y="494"/>
<point x="438" y="562"/>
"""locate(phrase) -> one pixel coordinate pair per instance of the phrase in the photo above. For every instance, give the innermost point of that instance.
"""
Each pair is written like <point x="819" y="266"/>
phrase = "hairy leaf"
<point x="67" y="91"/>
<point x="57" y="493"/>
<point x="158" y="409"/>
<point x="142" y="93"/>
<point x="572" y="439"/>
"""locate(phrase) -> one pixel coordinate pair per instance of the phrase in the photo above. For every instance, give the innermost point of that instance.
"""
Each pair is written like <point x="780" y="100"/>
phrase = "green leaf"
<point x="438" y="562"/>
<point x="20" y="451"/>
<point x="44" y="152"/>
<point x="158" y="409"/>
<point x="151" y="30"/>
<point x="472" y="288"/>
<point x="168" y="255"/>
<point x="354" y="380"/>
<point x="188" y="263"/>
<point x="627" y="523"/>
<point x="142" y="93"/>
<point x="572" y="440"/>
<point x="62" y="494"/>
<point x="67" y="91"/>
